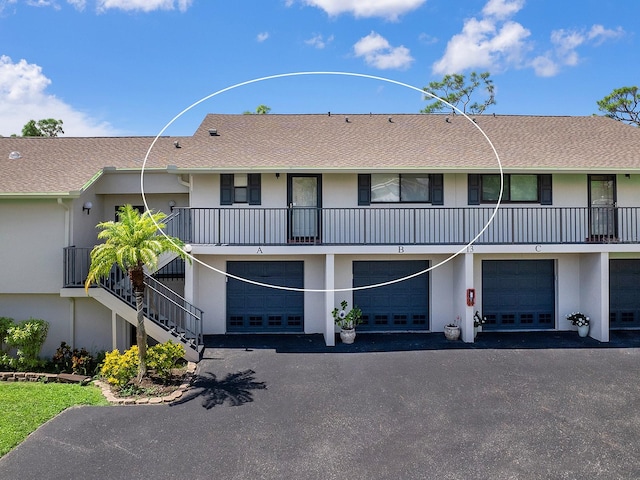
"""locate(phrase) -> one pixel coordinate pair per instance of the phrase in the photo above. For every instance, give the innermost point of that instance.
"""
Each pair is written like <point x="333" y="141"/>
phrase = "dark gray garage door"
<point x="252" y="308"/>
<point x="624" y="293"/>
<point x="518" y="294"/>
<point x="399" y="306"/>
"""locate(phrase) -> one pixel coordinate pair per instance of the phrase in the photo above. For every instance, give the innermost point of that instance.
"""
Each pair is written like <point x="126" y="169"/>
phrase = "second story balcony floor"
<point x="510" y="225"/>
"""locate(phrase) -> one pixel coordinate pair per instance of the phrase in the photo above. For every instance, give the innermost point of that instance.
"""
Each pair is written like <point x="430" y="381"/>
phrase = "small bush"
<point x="5" y="324"/>
<point x="118" y="369"/>
<point x="78" y="361"/>
<point x="163" y="357"/>
<point x="27" y="338"/>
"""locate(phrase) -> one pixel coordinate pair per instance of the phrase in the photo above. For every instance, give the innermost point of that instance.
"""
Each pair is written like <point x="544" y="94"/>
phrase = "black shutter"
<point x="364" y="189"/>
<point x="546" y="197"/>
<point x="473" y="185"/>
<point x="437" y="189"/>
<point x="226" y="189"/>
<point x="254" y="188"/>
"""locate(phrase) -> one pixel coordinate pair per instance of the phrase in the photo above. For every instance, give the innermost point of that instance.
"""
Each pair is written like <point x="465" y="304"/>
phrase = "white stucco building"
<point x="318" y="203"/>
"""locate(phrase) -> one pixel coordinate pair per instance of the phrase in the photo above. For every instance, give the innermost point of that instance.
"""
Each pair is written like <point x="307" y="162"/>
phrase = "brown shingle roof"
<point x="323" y="143"/>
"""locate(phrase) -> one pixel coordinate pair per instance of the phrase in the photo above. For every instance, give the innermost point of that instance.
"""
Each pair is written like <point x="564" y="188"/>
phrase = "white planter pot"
<point x="348" y="335"/>
<point x="452" y="333"/>
<point x="583" y="330"/>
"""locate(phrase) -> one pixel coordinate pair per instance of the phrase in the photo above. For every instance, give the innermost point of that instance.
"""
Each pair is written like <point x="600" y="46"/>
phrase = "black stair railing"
<point x="162" y="306"/>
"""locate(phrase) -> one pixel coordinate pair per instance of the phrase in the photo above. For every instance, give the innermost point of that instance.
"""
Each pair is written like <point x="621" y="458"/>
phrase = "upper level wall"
<point x="339" y="190"/>
<point x="32" y="235"/>
<point x="120" y="183"/>
<point x="113" y="190"/>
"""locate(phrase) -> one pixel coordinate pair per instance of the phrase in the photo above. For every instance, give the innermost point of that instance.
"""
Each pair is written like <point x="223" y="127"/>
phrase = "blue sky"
<point x="127" y="67"/>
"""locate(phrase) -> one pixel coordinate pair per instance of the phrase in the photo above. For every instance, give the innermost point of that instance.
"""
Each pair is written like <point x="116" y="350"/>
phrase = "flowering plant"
<point x="578" y="319"/>
<point x="456" y="323"/>
<point x="478" y="320"/>
<point x="346" y="319"/>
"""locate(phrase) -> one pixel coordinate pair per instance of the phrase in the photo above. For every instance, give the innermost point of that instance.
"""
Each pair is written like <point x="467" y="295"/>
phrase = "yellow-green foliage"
<point x="27" y="338"/>
<point x="163" y="357"/>
<point x="119" y="368"/>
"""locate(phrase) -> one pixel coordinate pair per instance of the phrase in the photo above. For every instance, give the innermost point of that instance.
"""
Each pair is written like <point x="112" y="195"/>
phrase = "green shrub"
<point x="5" y="324"/>
<point x="27" y="338"/>
<point x="163" y="357"/>
<point x="118" y="369"/>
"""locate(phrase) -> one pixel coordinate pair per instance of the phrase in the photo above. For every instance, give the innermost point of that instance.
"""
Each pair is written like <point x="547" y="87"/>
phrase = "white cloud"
<point x="544" y="66"/>
<point x="378" y="53"/>
<point x="23" y="97"/>
<point x="78" y="4"/>
<point x="389" y="9"/>
<point x="484" y="44"/>
<point x="319" y="42"/>
<point x="143" y="5"/>
<point x="599" y="34"/>
<point x="103" y="5"/>
<point x="43" y="3"/>
<point x="565" y="45"/>
<point x="494" y="42"/>
<point x="427" y="39"/>
<point x="502" y="9"/>
<point x="262" y="36"/>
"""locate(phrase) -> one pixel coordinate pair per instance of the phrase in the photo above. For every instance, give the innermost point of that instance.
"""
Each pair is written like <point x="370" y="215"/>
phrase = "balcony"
<point x="405" y="226"/>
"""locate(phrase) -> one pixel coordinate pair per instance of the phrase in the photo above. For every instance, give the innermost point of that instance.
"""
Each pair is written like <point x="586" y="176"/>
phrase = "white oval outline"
<point x="348" y="74"/>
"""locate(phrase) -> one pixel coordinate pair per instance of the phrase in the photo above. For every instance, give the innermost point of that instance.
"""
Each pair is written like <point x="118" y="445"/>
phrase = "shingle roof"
<point x="330" y="142"/>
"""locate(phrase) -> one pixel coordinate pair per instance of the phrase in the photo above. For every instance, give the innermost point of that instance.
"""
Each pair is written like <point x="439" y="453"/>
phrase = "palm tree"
<point x="133" y="242"/>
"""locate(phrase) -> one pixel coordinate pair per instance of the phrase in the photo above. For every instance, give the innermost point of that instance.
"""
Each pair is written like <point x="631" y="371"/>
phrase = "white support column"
<point x="329" y="299"/>
<point x="189" y="273"/>
<point x="72" y="322"/>
<point x="600" y="328"/>
<point x="467" y="321"/>
<point x="114" y="330"/>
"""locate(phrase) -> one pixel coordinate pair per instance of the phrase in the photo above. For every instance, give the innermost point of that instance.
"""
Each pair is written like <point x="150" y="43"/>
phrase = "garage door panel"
<point x="518" y="294"/>
<point x="253" y="308"/>
<point x="624" y="293"/>
<point x="397" y="306"/>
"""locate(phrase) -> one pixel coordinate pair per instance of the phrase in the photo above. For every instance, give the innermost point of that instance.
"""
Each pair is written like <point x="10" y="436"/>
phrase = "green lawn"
<point x="24" y="406"/>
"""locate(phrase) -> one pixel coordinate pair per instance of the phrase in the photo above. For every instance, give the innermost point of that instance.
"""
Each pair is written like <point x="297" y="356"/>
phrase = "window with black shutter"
<point x="240" y="188"/>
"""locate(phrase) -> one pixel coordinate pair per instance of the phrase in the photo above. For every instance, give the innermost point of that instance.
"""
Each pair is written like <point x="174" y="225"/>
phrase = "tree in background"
<point x="47" y="127"/>
<point x="133" y="243"/>
<point x="260" y="110"/>
<point x="623" y="104"/>
<point x="455" y="89"/>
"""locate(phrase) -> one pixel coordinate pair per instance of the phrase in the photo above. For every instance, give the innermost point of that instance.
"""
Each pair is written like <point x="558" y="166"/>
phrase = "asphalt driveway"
<point x="388" y="407"/>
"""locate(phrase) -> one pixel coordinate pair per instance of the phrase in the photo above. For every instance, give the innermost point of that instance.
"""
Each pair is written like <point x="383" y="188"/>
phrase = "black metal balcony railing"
<point x="391" y="226"/>
<point x="161" y="304"/>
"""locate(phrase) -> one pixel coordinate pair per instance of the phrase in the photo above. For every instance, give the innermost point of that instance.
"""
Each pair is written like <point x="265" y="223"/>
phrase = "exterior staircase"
<point x="167" y="315"/>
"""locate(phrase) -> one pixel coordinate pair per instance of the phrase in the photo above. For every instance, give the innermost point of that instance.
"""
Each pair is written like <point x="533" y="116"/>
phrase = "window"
<point x="529" y="188"/>
<point x="240" y="188"/>
<point x="399" y="188"/>
<point x="240" y="185"/>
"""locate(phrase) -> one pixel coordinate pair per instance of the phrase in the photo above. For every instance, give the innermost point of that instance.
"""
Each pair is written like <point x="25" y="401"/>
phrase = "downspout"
<point x="67" y="222"/>
<point x="183" y="183"/>
<point x="67" y="243"/>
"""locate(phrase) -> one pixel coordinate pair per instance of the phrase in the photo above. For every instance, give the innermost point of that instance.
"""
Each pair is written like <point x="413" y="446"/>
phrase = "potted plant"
<point x="452" y="330"/>
<point x="478" y="321"/>
<point x="581" y="321"/>
<point x="347" y="321"/>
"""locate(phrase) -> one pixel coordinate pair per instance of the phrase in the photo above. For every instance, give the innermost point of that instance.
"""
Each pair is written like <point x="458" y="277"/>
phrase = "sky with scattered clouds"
<point x="129" y="67"/>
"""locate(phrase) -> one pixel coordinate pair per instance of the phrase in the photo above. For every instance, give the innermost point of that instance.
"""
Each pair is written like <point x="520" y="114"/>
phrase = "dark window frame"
<point x="476" y="190"/>
<point x="228" y="189"/>
<point x="434" y="193"/>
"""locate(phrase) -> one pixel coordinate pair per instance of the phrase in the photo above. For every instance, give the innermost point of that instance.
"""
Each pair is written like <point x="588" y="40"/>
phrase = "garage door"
<point x="518" y="294"/>
<point x="252" y="308"/>
<point x="399" y="306"/>
<point x="624" y="293"/>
